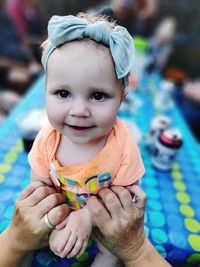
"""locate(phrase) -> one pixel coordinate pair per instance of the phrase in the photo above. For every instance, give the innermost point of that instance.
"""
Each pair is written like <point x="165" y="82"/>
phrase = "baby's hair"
<point x="89" y="18"/>
<point x="92" y="19"/>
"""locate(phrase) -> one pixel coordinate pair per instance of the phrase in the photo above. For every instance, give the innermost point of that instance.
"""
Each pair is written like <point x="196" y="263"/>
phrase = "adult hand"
<point x="28" y="230"/>
<point x="120" y="221"/>
<point x="191" y="91"/>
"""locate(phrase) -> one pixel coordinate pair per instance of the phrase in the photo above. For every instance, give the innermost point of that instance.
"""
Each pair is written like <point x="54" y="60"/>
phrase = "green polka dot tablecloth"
<point x="172" y="219"/>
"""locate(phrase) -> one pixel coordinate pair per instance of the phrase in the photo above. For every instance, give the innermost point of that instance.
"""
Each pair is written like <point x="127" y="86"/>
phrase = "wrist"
<point x="12" y="245"/>
<point x="85" y="214"/>
<point x="147" y="256"/>
<point x="135" y="252"/>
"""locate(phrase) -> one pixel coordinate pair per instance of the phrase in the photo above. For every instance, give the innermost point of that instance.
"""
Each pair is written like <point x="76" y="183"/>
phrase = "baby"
<point x="85" y="146"/>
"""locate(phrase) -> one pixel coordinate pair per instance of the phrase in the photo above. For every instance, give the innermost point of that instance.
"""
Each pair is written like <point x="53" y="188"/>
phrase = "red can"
<point x="166" y="148"/>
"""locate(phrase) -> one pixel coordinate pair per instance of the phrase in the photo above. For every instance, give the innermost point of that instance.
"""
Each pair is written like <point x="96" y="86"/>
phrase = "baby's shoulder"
<point x="48" y="134"/>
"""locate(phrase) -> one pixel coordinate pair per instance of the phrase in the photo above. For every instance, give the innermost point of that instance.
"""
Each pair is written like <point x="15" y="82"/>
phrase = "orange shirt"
<point x="118" y="163"/>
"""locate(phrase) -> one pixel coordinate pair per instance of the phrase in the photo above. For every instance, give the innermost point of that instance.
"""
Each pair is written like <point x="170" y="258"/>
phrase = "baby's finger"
<point x="57" y="242"/>
<point x="84" y="246"/>
<point x="63" y="242"/>
<point x="76" y="249"/>
<point x="70" y="244"/>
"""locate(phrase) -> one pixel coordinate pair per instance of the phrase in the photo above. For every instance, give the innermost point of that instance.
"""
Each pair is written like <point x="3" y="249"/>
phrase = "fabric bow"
<point x="63" y="29"/>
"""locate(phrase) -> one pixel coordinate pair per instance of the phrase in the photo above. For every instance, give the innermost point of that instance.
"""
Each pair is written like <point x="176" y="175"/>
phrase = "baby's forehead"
<point x="86" y="44"/>
<point x="81" y="55"/>
<point x="84" y="50"/>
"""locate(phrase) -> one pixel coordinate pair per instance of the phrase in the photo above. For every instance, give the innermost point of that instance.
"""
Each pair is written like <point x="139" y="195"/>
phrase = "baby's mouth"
<point x="79" y="128"/>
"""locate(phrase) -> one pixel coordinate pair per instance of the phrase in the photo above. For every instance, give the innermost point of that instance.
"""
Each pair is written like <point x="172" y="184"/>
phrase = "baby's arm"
<point x="73" y="238"/>
<point x="70" y="237"/>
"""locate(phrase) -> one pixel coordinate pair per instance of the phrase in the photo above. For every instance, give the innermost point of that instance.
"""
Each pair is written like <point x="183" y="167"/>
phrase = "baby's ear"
<point x="125" y="92"/>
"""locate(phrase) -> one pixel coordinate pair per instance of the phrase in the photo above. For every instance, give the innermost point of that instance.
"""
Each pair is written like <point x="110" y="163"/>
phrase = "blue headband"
<point x="63" y="29"/>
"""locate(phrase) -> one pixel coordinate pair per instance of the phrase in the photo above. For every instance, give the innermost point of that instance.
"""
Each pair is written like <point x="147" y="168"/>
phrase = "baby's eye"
<point x="63" y="93"/>
<point x="98" y="96"/>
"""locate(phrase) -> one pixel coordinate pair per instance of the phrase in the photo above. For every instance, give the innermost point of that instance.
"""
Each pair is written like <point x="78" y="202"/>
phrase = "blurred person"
<point x="135" y="15"/>
<point x="13" y="53"/>
<point x="2" y="117"/>
<point x="190" y="105"/>
<point x="18" y="67"/>
<point x="14" y="59"/>
<point x="8" y="100"/>
<point x="191" y="90"/>
<point x="161" y="44"/>
<point x="28" y="20"/>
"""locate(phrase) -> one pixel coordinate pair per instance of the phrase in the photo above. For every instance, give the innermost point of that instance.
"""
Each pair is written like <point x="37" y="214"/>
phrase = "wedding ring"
<point x="46" y="219"/>
<point x="134" y="199"/>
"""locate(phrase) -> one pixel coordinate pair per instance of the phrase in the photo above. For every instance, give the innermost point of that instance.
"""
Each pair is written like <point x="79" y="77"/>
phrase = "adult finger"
<point x="124" y="196"/>
<point x="63" y="223"/>
<point x="28" y="190"/>
<point x="140" y="196"/>
<point x="49" y="202"/>
<point x="98" y="213"/>
<point x="58" y="214"/>
<point x="39" y="194"/>
<point x="111" y="202"/>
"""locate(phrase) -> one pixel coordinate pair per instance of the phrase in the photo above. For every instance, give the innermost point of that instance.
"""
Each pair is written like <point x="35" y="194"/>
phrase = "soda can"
<point x="158" y="124"/>
<point x="166" y="147"/>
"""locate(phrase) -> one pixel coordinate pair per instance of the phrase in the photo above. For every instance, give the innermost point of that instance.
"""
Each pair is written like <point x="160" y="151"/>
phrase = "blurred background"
<point x="174" y="25"/>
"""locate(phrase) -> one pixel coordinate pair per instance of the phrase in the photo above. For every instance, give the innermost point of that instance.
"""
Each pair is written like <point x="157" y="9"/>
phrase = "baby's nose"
<point x="80" y="109"/>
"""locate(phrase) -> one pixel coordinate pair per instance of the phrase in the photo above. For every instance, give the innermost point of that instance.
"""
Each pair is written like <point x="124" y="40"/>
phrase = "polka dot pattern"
<point x="187" y="210"/>
<point x="192" y="225"/>
<point x="2" y="178"/>
<point x="178" y="239"/>
<point x="4" y="168"/>
<point x="194" y="241"/>
<point x="183" y="198"/>
<point x="159" y="236"/>
<point x="194" y="258"/>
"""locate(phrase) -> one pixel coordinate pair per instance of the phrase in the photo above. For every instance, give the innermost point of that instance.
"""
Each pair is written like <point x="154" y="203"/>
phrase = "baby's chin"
<point x="87" y="140"/>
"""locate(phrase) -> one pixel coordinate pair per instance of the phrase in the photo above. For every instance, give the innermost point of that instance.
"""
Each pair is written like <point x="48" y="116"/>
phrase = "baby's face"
<point x="83" y="94"/>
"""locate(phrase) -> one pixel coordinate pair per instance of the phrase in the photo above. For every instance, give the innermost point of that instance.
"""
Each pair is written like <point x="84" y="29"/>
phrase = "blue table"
<point x="172" y="220"/>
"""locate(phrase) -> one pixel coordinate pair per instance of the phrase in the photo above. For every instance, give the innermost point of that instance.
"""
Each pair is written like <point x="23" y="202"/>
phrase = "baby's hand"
<point x="72" y="240"/>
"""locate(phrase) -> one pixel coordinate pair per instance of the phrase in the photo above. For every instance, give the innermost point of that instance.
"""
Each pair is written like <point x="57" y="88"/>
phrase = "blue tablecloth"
<point x="172" y="220"/>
